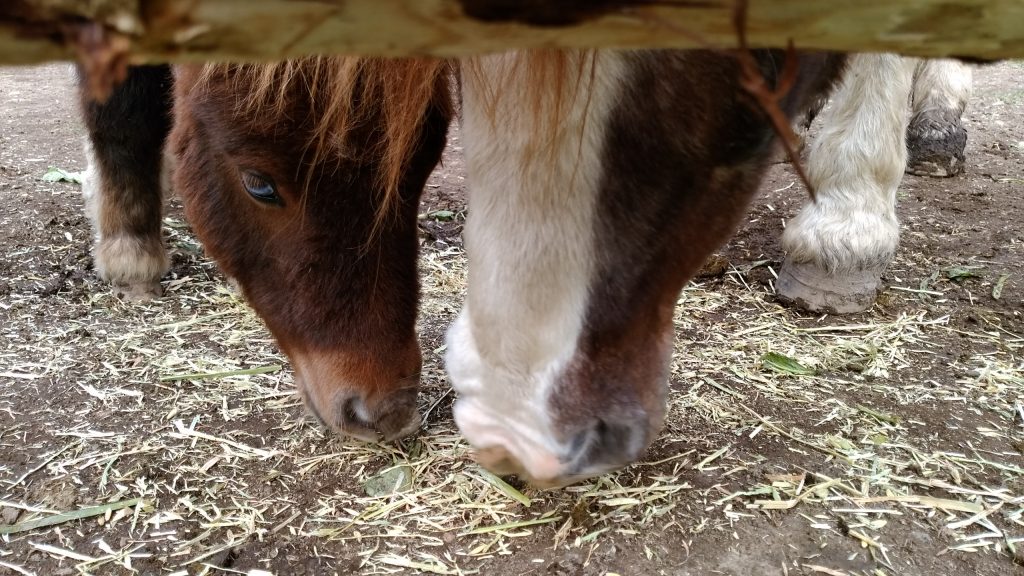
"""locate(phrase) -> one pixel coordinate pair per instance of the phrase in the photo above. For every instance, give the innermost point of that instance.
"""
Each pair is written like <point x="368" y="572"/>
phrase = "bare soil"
<point x="903" y="453"/>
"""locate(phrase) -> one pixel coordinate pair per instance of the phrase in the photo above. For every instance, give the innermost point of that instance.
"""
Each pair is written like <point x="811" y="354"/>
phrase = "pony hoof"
<point x="141" y="292"/>
<point x="936" y="168"/>
<point x="935" y="146"/>
<point x="808" y="287"/>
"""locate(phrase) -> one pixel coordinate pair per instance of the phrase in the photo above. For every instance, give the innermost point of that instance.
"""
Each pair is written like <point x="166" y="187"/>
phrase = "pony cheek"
<point x="462" y="360"/>
<point x="302" y="385"/>
<point x="510" y="433"/>
<point x="303" y="391"/>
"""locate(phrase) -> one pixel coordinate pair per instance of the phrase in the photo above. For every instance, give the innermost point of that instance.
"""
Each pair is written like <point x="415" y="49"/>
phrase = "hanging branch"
<point x="768" y="98"/>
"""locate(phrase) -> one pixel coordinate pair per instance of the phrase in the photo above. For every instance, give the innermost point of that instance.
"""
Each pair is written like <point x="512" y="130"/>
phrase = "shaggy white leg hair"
<point x="838" y="246"/>
<point x="942" y="84"/>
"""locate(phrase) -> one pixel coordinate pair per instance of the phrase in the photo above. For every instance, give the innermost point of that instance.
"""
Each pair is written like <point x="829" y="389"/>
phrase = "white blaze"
<point x="533" y="190"/>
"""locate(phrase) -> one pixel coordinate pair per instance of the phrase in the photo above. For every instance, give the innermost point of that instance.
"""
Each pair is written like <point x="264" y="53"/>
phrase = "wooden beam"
<point x="179" y="30"/>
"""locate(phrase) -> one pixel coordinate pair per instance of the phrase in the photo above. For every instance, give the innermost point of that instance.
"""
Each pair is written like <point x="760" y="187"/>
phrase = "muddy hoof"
<point x="141" y="292"/>
<point x="810" y="288"/>
<point x="935" y="145"/>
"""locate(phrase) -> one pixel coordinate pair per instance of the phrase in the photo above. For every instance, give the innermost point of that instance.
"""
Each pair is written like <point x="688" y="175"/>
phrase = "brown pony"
<point x="303" y="179"/>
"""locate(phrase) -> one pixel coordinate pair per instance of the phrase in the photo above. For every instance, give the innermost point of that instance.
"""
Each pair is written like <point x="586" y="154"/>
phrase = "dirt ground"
<point x="173" y="428"/>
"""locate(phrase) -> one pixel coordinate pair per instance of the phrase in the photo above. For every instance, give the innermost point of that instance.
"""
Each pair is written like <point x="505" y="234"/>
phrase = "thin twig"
<point x="754" y="82"/>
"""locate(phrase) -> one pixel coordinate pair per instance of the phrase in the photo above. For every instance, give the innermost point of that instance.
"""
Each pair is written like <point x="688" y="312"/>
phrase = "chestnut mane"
<point x="554" y="79"/>
<point x="392" y="96"/>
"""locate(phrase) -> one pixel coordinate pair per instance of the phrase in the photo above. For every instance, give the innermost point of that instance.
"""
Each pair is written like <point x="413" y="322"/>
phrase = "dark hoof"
<point x="935" y="145"/>
<point x="141" y="292"/>
<point x="808" y="287"/>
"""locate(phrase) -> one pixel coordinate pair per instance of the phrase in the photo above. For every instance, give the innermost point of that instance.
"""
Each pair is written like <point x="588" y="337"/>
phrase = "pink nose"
<point x="506" y="446"/>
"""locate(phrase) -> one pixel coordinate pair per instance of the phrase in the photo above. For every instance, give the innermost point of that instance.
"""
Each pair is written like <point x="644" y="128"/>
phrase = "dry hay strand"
<point x="171" y="437"/>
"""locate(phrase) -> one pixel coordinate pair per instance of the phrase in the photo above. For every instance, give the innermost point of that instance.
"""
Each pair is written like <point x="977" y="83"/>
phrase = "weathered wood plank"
<point x="37" y="30"/>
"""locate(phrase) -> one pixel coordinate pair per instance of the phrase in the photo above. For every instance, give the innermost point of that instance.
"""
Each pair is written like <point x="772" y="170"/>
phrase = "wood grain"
<point x="176" y="30"/>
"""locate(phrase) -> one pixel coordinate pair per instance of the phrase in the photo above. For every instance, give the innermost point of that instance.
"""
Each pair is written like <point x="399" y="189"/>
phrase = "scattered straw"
<point x="181" y="413"/>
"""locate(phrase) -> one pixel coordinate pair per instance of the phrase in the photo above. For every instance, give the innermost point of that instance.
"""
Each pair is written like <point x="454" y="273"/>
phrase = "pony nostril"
<point x="353" y="410"/>
<point x="584" y="439"/>
<point x="607" y="445"/>
<point x="351" y="418"/>
<point x="400" y="417"/>
<point x="379" y="406"/>
<point x="394" y="418"/>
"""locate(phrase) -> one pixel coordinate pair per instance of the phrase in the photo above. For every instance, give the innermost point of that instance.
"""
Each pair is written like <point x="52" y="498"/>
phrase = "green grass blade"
<point x="63" y="517"/>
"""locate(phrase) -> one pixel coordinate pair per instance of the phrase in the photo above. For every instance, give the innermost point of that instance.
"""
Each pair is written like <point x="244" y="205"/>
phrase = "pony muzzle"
<point x="377" y="407"/>
<point x="548" y="460"/>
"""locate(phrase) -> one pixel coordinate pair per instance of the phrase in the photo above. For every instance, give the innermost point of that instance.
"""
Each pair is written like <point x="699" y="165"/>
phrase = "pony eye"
<point x="261" y="187"/>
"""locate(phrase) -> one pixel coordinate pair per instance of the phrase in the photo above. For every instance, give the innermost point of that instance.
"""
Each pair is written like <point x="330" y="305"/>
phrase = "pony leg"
<point x="802" y="127"/>
<point x="124" y="179"/>
<point x="936" y="137"/>
<point x="838" y="246"/>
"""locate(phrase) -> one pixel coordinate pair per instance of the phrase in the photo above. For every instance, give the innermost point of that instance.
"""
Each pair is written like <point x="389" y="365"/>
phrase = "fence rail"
<point x="177" y="30"/>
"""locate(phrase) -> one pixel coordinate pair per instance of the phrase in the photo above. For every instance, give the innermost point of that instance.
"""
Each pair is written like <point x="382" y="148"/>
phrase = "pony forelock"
<point x="345" y="93"/>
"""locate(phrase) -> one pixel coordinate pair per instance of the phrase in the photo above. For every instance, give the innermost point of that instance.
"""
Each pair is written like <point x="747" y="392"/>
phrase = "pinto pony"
<point x="598" y="183"/>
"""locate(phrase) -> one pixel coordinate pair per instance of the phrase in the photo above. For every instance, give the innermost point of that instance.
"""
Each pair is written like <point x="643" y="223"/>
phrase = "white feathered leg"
<point x="838" y="247"/>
